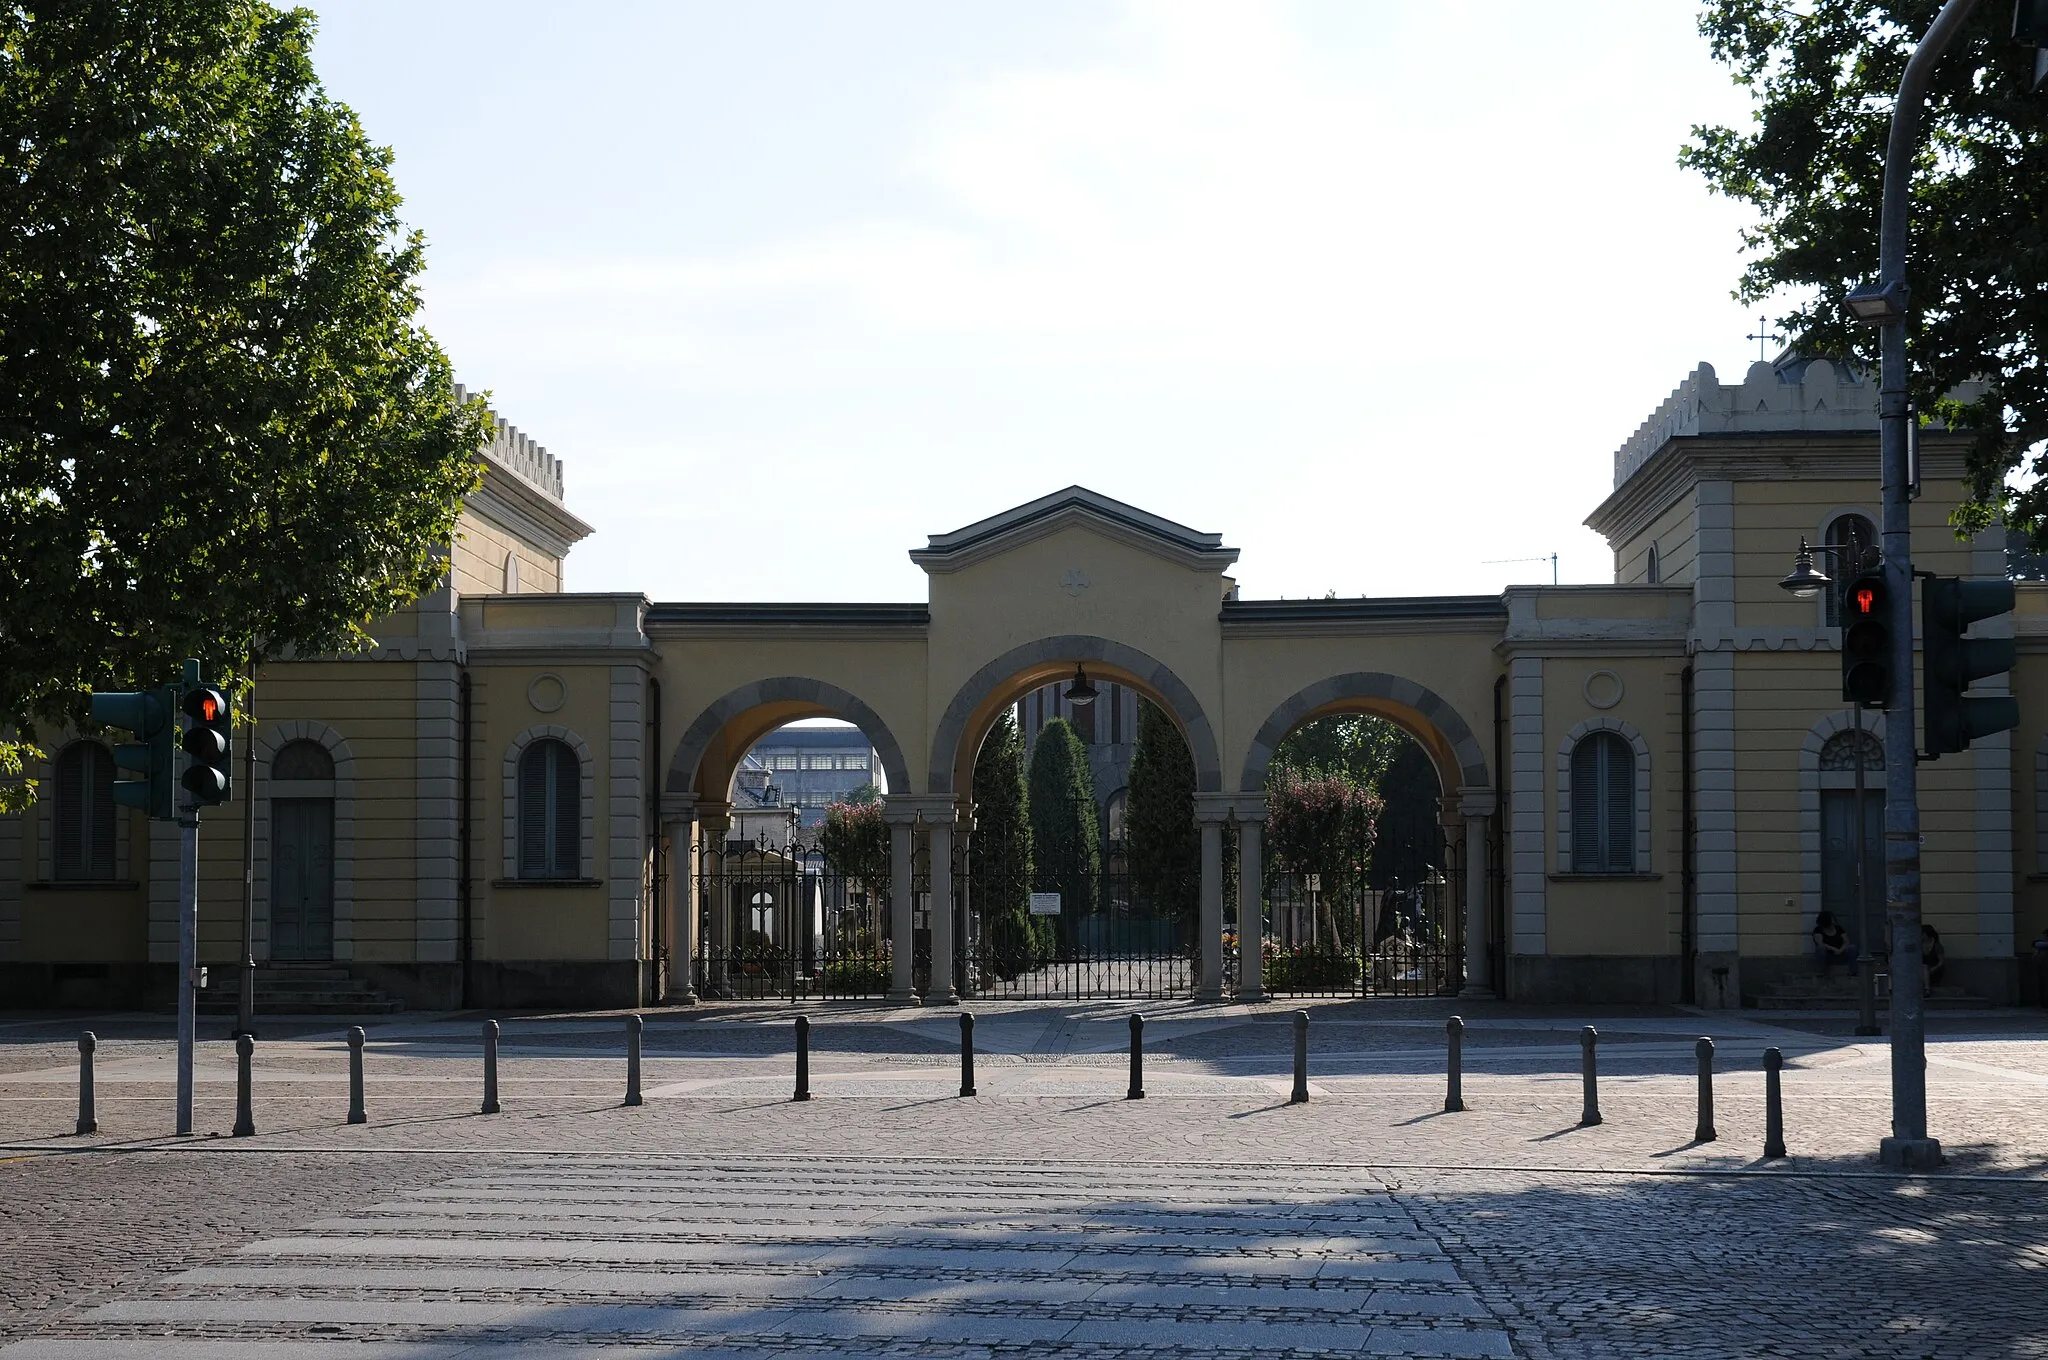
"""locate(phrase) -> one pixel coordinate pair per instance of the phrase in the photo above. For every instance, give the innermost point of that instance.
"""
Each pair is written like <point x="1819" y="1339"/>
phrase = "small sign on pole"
<point x="1045" y="904"/>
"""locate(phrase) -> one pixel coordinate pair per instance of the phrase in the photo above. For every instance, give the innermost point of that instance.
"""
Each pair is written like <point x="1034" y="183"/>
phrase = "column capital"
<point x="678" y="807"/>
<point x="1478" y="800"/>
<point x="931" y="808"/>
<point x="1214" y="807"/>
<point x="717" y="815"/>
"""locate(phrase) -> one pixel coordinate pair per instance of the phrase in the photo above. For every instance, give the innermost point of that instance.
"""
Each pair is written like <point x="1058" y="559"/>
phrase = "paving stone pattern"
<point x="1047" y="1216"/>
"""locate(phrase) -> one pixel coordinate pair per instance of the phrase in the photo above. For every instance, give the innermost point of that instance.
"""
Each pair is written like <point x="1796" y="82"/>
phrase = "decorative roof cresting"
<point x="520" y="455"/>
<point x="1792" y="394"/>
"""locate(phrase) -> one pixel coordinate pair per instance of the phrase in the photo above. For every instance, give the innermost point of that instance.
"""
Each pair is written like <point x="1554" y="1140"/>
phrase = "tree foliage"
<point x="1162" y="844"/>
<point x="221" y="433"/>
<point x="1066" y="850"/>
<point x="1357" y="746"/>
<point x="999" y="852"/>
<point x="855" y="842"/>
<point x="1823" y="75"/>
<point x="1408" y="838"/>
<point x="1323" y="824"/>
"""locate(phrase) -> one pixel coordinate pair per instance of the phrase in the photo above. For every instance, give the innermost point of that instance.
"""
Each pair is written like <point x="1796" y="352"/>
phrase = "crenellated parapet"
<point x="524" y="457"/>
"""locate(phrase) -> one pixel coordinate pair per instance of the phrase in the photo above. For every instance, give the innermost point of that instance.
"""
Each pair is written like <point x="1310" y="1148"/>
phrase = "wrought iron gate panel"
<point x="792" y="928"/>
<point x="1336" y="934"/>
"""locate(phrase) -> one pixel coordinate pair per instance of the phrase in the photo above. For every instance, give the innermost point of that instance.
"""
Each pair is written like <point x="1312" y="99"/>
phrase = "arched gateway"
<point x="1643" y="793"/>
<point x="1072" y="583"/>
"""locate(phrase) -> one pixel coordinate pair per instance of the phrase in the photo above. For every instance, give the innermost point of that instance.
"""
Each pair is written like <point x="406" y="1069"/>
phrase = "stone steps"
<point x="315" y="990"/>
<point x="1841" y="994"/>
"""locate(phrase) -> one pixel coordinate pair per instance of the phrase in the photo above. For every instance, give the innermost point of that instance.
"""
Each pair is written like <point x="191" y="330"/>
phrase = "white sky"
<point x="1374" y="290"/>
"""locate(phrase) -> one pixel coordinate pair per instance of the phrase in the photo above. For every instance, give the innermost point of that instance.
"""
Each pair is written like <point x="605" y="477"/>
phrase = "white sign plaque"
<point x="1044" y="904"/>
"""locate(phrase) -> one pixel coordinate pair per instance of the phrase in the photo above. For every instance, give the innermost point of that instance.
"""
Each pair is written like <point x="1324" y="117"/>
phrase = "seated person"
<point x="1831" y="944"/>
<point x="1933" y="958"/>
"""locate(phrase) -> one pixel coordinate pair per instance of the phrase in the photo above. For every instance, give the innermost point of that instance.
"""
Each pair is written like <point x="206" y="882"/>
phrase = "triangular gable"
<point x="1076" y="504"/>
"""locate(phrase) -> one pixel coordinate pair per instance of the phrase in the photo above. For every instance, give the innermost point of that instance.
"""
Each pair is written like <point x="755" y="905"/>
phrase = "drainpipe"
<point x="657" y="895"/>
<point x="1688" y="897"/>
<point x="1496" y="866"/>
<point x="462" y="834"/>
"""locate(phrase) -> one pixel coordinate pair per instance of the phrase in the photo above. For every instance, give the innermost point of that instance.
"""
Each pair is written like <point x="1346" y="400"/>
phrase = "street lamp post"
<point x="1885" y="304"/>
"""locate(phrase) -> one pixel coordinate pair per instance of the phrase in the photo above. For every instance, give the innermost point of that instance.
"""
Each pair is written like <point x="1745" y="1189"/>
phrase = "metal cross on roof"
<point x="1764" y="338"/>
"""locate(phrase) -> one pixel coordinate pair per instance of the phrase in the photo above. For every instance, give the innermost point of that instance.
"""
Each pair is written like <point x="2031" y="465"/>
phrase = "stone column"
<point x="714" y="821"/>
<point x="939" y="991"/>
<point x="679" y="928"/>
<point x="1251" y="922"/>
<point x="1477" y="806"/>
<point x="902" y="846"/>
<point x="1212" y="810"/>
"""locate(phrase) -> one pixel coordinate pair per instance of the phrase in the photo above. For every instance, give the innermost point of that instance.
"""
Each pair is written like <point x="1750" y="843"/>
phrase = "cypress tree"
<point x="1066" y="850"/>
<point x="999" y="852"/>
<point x="1164" y="847"/>
<point x="1408" y="836"/>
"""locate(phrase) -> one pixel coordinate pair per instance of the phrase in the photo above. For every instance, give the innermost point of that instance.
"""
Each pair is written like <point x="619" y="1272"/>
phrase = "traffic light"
<point x="1867" y="641"/>
<point x="210" y="742"/>
<point x="151" y="715"/>
<point x="1948" y="607"/>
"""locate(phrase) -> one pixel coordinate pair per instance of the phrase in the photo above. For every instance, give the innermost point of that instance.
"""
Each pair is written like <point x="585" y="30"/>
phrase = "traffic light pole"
<point x="1909" y="1146"/>
<point x="188" y="958"/>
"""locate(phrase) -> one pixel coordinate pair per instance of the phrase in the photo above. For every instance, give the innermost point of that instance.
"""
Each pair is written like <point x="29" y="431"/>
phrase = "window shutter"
<point x="533" y="811"/>
<point x="69" y="850"/>
<point x="1586" y="804"/>
<point x="1620" y="760"/>
<point x="568" y="812"/>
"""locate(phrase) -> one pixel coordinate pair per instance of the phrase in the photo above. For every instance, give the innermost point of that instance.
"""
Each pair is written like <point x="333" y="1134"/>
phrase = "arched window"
<point x="84" y="823"/>
<point x="550" y="811"/>
<point x="1843" y="532"/>
<point x="1653" y="570"/>
<point x="300" y="760"/>
<point x="1603" y="805"/>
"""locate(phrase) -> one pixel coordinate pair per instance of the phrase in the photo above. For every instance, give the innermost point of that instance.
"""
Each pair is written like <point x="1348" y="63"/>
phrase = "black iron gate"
<point x="778" y="923"/>
<point x="1339" y="934"/>
<point x="1067" y="929"/>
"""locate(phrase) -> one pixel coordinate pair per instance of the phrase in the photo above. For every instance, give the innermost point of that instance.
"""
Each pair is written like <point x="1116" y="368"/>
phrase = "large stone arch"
<point x="789" y="697"/>
<point x="1127" y="664"/>
<point x="1460" y="762"/>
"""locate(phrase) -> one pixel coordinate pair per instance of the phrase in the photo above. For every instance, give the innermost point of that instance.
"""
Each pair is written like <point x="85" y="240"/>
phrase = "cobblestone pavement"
<point x="1047" y="1215"/>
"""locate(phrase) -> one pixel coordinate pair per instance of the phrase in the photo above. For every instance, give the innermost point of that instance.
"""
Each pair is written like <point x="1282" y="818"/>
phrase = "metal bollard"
<point x="803" y="1058"/>
<point x="1454" y="1096"/>
<point x="490" y="1067"/>
<point x="245" y="1117"/>
<point x="1589" y="1071"/>
<point x="1774" y="1105"/>
<point x="1703" y="1132"/>
<point x="356" y="1113"/>
<point x="1137" y="1091"/>
<point x="966" y="1054"/>
<point x="1300" y="1095"/>
<point x="88" y="1115"/>
<point x="634" y="1026"/>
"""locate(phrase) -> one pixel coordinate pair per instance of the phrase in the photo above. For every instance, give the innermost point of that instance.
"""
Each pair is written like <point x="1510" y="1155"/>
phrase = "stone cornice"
<point x="509" y="502"/>
<point x="1766" y="455"/>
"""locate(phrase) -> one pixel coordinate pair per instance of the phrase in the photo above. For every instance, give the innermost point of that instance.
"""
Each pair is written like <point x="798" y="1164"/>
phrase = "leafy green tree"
<point x="1358" y="746"/>
<point x="1823" y="75"/>
<point x="221" y="433"/>
<point x="1163" y="845"/>
<point x="1066" y="851"/>
<point x="1323" y="824"/>
<point x="1408" y="838"/>
<point x="855" y="842"/>
<point x="999" y="852"/>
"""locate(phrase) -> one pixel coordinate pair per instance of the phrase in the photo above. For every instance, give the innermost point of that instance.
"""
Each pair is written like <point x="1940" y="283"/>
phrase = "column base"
<point x="1209" y="994"/>
<point x="902" y="999"/>
<point x="947" y="998"/>
<point x="1251" y="996"/>
<point x="1910" y="1154"/>
<point x="1477" y="991"/>
<point x="686" y="997"/>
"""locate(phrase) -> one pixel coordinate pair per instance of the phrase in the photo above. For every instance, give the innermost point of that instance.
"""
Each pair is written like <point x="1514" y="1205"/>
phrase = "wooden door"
<point x="302" y="879"/>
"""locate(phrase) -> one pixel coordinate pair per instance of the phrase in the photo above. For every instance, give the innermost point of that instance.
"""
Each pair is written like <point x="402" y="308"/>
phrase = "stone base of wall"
<point x="1595" y="980"/>
<point x="76" y="986"/>
<point x="520" y="984"/>
<point x="1996" y="981"/>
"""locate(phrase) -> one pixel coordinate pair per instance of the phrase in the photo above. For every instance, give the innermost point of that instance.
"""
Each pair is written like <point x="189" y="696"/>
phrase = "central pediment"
<point x="1076" y="506"/>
